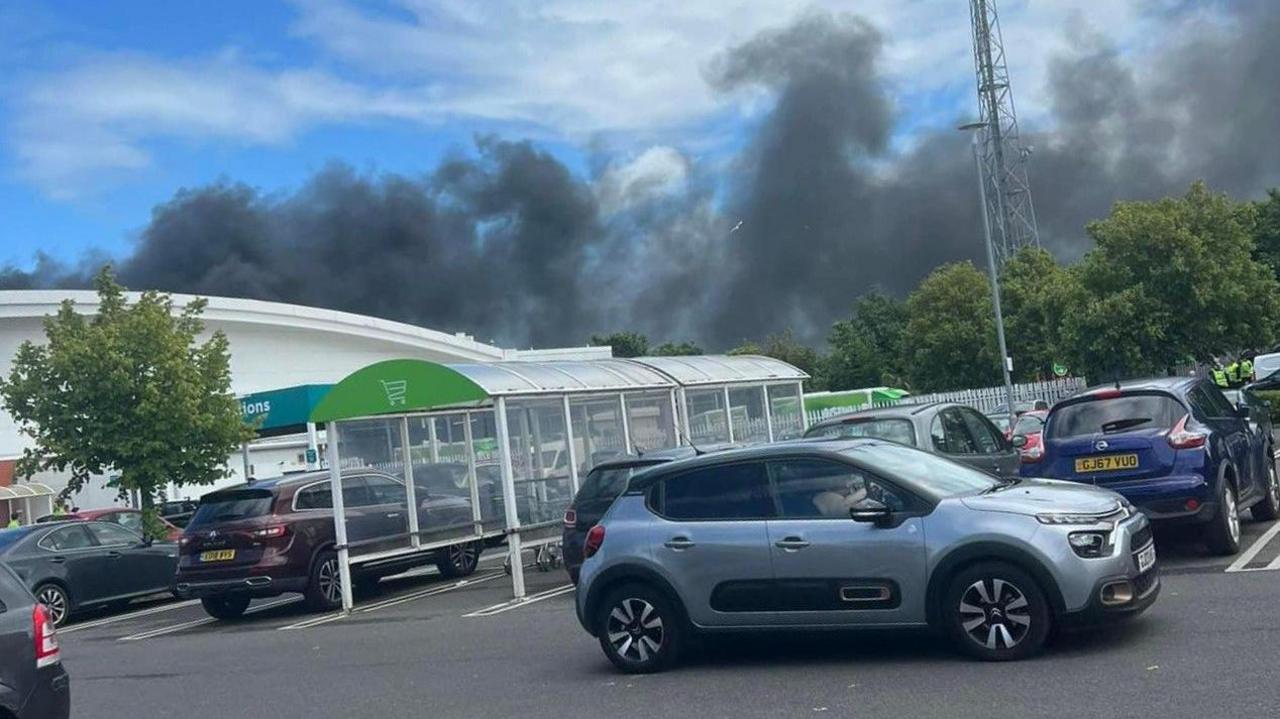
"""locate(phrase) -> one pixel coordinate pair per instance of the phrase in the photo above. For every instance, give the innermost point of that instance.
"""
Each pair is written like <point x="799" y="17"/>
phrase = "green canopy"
<point x="394" y="386"/>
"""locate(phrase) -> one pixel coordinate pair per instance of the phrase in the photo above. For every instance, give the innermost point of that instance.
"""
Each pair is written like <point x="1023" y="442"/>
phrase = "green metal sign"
<point x="279" y="408"/>
<point x="396" y="386"/>
<point x="1059" y="369"/>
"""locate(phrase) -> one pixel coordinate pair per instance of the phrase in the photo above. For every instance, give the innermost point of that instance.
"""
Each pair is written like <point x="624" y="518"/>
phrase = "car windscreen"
<point x="927" y="472"/>
<point x="231" y="506"/>
<point x="894" y="429"/>
<point x="1108" y="415"/>
<point x="1028" y="424"/>
<point x="608" y="482"/>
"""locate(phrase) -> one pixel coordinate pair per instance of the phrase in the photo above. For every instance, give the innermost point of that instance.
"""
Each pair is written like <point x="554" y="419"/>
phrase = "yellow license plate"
<point x="218" y="555"/>
<point x="1107" y="463"/>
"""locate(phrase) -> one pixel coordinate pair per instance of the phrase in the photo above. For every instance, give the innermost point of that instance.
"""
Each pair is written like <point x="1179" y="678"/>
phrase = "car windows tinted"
<point x="385" y="491"/>
<point x="894" y="429"/>
<point x="1218" y="403"/>
<point x="734" y="491"/>
<point x="231" y="506"/>
<point x="985" y="435"/>
<point x="111" y="535"/>
<point x="937" y="475"/>
<point x="1114" y="414"/>
<point x="73" y="537"/>
<point x="606" y="482"/>
<point x="355" y="493"/>
<point x="317" y="496"/>
<point x="128" y="520"/>
<point x="955" y="435"/>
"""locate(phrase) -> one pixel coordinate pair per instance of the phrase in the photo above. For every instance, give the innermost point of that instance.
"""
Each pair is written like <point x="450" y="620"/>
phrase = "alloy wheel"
<point x="56" y="602"/>
<point x="1273" y="487"/>
<point x="329" y="581"/>
<point x="1233" y="514"/>
<point x="462" y="557"/>
<point x="635" y="630"/>
<point x="995" y="613"/>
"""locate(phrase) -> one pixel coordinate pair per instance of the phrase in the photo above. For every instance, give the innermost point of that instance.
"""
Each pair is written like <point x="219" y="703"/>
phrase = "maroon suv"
<point x="276" y="535"/>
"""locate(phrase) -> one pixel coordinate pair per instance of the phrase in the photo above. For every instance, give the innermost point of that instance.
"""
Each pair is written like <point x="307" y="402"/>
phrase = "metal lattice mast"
<point x="1004" y="159"/>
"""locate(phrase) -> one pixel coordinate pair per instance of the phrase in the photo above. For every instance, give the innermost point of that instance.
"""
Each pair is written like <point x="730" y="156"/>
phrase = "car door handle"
<point x="58" y="560"/>
<point x="114" y="555"/>
<point x="791" y="544"/>
<point x="392" y="515"/>
<point x="678" y="543"/>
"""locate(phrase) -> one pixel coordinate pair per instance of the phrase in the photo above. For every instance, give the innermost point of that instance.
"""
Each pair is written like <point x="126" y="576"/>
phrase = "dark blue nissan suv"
<point x="1175" y="447"/>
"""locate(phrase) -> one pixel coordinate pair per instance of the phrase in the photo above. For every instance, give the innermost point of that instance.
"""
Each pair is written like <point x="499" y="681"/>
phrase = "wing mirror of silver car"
<point x="869" y="510"/>
<point x="1019" y="441"/>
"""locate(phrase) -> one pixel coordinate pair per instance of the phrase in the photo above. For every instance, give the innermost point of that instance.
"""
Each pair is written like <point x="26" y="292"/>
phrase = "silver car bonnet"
<point x="1034" y="496"/>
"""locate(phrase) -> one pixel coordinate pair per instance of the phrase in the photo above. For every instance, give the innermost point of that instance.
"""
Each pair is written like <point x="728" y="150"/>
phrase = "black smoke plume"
<point x="508" y="244"/>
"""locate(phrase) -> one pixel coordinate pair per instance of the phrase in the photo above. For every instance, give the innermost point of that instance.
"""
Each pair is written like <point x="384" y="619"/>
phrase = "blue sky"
<point x="110" y="108"/>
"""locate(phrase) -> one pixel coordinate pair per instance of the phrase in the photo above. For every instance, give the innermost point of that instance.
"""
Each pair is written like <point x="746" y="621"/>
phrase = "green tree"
<point x="128" y="391"/>
<point x="624" y="344"/>
<point x="784" y="346"/>
<point x="1036" y="293"/>
<point x="1168" y="280"/>
<point x="1266" y="233"/>
<point x="677" y="349"/>
<point x="950" y="334"/>
<point x="866" y="349"/>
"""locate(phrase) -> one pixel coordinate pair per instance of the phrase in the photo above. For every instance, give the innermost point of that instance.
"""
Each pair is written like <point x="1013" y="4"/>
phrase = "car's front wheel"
<point x="225" y="607"/>
<point x="995" y="611"/>
<point x="1269" y="508"/>
<point x="1222" y="534"/>
<point x="640" y="629"/>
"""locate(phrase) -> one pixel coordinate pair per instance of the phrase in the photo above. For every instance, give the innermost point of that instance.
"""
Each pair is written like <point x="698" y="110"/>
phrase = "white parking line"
<point x="518" y="603"/>
<point x="126" y="617"/>
<point x="207" y="620"/>
<point x="1248" y="554"/>
<point x="393" y="601"/>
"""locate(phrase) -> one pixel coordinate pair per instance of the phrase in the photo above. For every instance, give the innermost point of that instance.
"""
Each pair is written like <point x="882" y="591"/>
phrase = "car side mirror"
<point x="1019" y="441"/>
<point x="869" y="510"/>
<point x="1242" y="411"/>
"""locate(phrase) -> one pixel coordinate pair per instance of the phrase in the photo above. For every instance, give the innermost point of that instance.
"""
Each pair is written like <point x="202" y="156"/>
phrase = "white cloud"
<point x="567" y="68"/>
<point x="656" y="171"/>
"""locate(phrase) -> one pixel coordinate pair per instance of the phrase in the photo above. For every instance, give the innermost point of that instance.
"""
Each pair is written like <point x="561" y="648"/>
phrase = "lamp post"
<point x="1005" y="360"/>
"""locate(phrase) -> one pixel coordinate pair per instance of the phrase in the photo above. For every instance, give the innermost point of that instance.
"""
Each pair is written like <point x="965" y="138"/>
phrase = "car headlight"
<point x="1089" y="544"/>
<point x="1068" y="518"/>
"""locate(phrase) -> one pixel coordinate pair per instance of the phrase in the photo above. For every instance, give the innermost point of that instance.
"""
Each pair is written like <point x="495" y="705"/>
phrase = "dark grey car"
<point x="33" y="684"/>
<point x="952" y="430"/>
<point x="71" y="566"/>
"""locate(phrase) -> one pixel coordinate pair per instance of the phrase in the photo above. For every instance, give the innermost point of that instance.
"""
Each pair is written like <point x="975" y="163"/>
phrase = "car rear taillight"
<point x="47" y="651"/>
<point x="570" y="517"/>
<point x="595" y="538"/>
<point x="278" y="530"/>
<point x="1033" y="453"/>
<point x="184" y="540"/>
<point x="1182" y="438"/>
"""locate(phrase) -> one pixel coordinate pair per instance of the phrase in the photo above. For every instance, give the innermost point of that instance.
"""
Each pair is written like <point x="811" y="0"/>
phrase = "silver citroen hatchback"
<point x="851" y="534"/>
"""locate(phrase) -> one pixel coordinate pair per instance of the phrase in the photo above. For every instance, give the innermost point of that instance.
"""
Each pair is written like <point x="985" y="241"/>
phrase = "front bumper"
<point x="1147" y="589"/>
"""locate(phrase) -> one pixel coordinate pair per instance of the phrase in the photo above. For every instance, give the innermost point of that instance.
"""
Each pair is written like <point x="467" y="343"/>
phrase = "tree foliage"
<point x="129" y="392"/>
<point x="624" y="344"/>
<point x="950" y="334"/>
<point x="677" y="349"/>
<point x="1169" y="281"/>
<point x="866" y="350"/>
<point x="1035" y="294"/>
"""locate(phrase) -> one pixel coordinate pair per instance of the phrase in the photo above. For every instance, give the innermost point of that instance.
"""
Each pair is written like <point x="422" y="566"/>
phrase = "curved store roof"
<point x="397" y="386"/>
<point x="24" y="490"/>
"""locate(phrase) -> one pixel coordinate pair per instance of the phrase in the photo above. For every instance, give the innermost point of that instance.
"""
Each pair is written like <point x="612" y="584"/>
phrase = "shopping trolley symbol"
<point x="396" y="390"/>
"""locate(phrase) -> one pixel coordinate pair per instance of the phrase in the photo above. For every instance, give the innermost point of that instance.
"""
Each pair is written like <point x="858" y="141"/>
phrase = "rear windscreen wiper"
<point x="1119" y="424"/>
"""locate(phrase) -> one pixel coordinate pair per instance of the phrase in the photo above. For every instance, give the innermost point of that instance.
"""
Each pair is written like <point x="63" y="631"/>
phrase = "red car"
<point x="1029" y="428"/>
<point x="124" y="516"/>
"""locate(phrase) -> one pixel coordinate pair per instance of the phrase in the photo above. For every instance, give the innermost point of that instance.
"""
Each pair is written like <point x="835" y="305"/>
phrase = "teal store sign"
<point x="280" y="408"/>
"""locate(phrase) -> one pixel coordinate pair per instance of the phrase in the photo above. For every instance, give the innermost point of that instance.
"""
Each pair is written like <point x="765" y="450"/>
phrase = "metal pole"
<point x="995" y="286"/>
<point x="435" y="442"/>
<point x="339" y="516"/>
<point x="568" y="438"/>
<point x="313" y="446"/>
<point x="626" y="424"/>
<point x="509" y="499"/>
<point x="804" y="417"/>
<point x="728" y="416"/>
<point x="410" y="491"/>
<point x="244" y="456"/>
<point x="768" y="413"/>
<point x="675" y="420"/>
<point x="684" y="416"/>
<point x="477" y="517"/>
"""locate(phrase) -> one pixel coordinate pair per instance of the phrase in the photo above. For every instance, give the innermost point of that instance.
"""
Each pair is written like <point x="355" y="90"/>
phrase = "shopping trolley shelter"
<point x="493" y="452"/>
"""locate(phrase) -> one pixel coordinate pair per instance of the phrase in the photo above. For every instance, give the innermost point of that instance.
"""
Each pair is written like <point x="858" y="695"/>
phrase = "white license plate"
<point x="1146" y="559"/>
